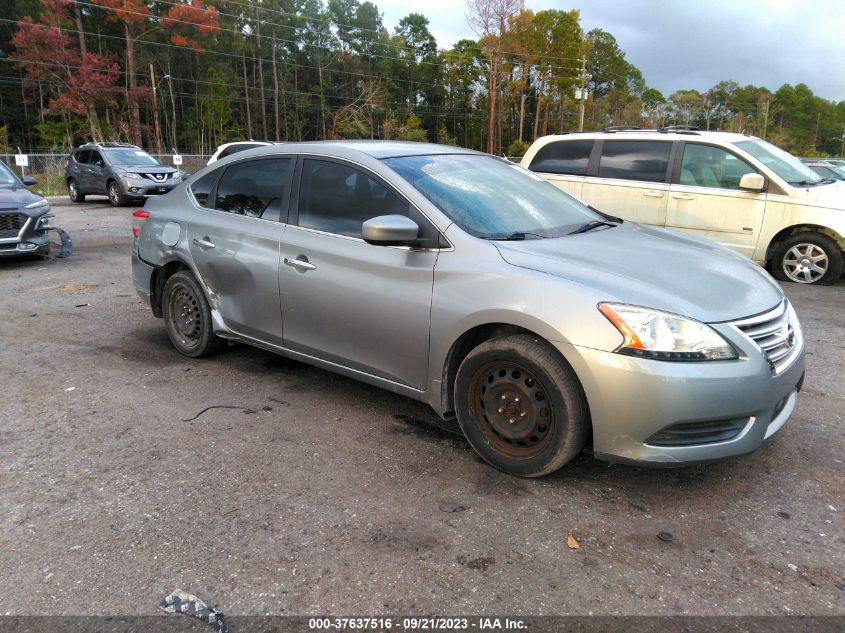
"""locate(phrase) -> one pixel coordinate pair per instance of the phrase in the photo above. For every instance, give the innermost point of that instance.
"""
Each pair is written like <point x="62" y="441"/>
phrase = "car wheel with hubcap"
<point x="187" y="317"/>
<point x="808" y="258"/>
<point x="73" y="191"/>
<point x="116" y="197"/>
<point x="521" y="406"/>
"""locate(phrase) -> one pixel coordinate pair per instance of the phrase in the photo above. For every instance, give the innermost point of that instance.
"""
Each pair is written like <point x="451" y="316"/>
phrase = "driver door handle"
<point x="299" y="264"/>
<point x="203" y="242"/>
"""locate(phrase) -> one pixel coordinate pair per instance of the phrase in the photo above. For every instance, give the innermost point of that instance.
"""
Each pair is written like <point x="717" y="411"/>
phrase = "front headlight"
<point x="131" y="175"/>
<point x="37" y="204"/>
<point x="662" y="336"/>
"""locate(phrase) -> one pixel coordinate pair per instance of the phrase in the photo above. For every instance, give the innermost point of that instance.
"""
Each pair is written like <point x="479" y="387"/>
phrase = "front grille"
<point x="777" y="333"/>
<point x="697" y="433"/>
<point x="11" y="224"/>
<point x="158" y="177"/>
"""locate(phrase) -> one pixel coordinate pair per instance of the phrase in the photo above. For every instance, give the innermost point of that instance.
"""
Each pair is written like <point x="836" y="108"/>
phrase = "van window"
<point x="708" y="166"/>
<point x="635" y="160"/>
<point x="564" y="157"/>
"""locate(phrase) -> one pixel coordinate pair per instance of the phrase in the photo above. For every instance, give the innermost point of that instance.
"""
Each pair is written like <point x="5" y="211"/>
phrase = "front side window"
<point x="338" y="198"/>
<point x="491" y="198"/>
<point x="254" y="188"/>
<point x="563" y="157"/>
<point x="707" y="166"/>
<point x="130" y="157"/>
<point x="94" y="157"/>
<point x="635" y="160"/>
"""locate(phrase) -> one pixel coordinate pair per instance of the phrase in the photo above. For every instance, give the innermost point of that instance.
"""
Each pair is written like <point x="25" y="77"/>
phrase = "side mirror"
<point x="28" y="181"/>
<point x="752" y="182"/>
<point x="390" y="230"/>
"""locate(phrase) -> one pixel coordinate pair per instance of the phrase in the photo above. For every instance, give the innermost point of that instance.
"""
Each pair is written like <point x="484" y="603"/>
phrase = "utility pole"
<point x="582" y="93"/>
<point x="155" y="110"/>
<point x="765" y="117"/>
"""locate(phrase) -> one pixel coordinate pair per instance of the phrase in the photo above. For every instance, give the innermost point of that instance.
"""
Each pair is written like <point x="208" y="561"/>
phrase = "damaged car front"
<point x="24" y="217"/>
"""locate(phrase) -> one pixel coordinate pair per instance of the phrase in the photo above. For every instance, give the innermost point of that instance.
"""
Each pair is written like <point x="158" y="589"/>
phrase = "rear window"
<point x="253" y="187"/>
<point x="81" y="156"/>
<point x="635" y="160"/>
<point x="201" y="188"/>
<point x="563" y="157"/>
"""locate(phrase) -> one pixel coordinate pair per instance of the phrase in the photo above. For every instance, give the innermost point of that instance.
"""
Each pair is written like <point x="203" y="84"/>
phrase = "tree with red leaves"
<point x="78" y="82"/>
<point x="186" y="20"/>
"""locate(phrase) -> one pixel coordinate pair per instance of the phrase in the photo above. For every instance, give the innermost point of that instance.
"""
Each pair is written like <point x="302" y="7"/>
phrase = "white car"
<point x="227" y="149"/>
<point x="737" y="190"/>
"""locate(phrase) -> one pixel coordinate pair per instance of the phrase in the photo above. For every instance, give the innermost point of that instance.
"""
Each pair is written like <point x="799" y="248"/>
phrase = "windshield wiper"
<point x="515" y="237"/>
<point x="589" y="226"/>
<point x="809" y="183"/>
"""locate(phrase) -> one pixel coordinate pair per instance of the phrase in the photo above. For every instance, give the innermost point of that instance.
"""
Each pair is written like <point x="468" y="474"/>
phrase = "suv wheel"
<point x="521" y="406"/>
<point x="73" y="191"/>
<point x="808" y="258"/>
<point x="187" y="317"/>
<point x="116" y="197"/>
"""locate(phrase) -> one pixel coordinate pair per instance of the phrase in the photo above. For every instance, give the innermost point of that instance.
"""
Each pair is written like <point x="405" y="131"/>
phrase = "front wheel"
<point x="521" y="406"/>
<point x="808" y="258"/>
<point x="116" y="197"/>
<point x="187" y="317"/>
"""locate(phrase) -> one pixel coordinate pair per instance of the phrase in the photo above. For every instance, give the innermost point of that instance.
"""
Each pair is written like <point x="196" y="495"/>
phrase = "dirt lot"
<point x="327" y="498"/>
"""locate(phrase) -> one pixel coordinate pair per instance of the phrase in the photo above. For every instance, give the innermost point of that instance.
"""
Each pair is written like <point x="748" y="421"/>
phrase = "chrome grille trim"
<point x="777" y="333"/>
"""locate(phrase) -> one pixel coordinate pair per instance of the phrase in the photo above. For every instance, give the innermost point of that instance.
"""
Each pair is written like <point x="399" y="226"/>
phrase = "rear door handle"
<point x="683" y="196"/>
<point x="205" y="243"/>
<point x="653" y="193"/>
<point x="299" y="264"/>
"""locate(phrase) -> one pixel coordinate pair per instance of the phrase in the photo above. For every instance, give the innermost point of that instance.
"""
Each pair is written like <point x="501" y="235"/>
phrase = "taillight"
<point x="138" y="218"/>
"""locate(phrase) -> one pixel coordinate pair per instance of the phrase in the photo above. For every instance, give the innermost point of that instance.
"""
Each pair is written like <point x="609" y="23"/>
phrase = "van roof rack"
<point x="680" y="129"/>
<point x="621" y="128"/>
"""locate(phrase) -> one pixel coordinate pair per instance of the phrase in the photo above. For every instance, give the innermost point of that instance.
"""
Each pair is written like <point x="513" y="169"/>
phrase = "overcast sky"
<point x="694" y="43"/>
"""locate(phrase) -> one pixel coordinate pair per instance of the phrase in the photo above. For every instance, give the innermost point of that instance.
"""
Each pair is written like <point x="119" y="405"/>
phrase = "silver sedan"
<point x="462" y="280"/>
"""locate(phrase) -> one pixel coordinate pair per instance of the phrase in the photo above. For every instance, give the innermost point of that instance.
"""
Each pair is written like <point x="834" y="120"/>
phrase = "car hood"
<point x="16" y="198"/>
<point x="831" y="196"/>
<point x="655" y="268"/>
<point x="148" y="169"/>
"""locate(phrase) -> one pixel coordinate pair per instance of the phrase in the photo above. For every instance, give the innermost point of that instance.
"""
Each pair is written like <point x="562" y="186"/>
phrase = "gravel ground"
<point x="318" y="494"/>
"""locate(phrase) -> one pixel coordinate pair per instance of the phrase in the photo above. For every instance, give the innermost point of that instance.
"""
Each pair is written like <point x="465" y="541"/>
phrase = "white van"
<point x="737" y="190"/>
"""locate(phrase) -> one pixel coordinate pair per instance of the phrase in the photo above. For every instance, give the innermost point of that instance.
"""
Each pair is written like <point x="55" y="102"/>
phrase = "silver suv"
<point x="464" y="281"/>
<point x="120" y="171"/>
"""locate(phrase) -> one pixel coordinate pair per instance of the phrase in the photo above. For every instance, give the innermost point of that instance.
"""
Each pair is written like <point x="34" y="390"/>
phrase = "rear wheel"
<point x="521" y="406"/>
<point x="187" y="317"/>
<point x="73" y="191"/>
<point x="808" y="258"/>
<point x="116" y="197"/>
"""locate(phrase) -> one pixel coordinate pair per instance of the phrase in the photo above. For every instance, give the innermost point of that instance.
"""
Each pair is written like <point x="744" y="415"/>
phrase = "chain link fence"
<point x="49" y="169"/>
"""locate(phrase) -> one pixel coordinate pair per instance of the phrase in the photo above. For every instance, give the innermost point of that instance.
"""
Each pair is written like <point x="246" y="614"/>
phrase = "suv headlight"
<point x="132" y="175"/>
<point x="37" y="204"/>
<point x="662" y="336"/>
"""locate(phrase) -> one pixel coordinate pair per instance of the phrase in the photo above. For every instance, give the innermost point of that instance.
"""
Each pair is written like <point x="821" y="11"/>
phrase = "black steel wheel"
<point x="187" y="317"/>
<point x="521" y="406"/>
<point x="116" y="197"/>
<point x="73" y="191"/>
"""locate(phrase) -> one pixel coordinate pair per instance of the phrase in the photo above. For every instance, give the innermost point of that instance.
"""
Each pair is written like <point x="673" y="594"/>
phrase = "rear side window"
<point x="635" y="160"/>
<point x="338" y="198"/>
<point x="81" y="156"/>
<point x="563" y="157"/>
<point x="254" y="188"/>
<point x="201" y="187"/>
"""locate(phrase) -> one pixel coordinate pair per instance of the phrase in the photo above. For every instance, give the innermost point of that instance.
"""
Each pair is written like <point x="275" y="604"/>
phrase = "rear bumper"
<point x="142" y="276"/>
<point x="632" y="399"/>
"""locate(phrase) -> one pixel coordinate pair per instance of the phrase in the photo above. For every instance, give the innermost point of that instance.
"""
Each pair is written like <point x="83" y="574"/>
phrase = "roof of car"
<point x="375" y="149"/>
<point x="665" y="133"/>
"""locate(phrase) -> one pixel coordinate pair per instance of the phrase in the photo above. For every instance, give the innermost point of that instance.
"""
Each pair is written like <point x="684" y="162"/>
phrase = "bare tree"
<point x="490" y="20"/>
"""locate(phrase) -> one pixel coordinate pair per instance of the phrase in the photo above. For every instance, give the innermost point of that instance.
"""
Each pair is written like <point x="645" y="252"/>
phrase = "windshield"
<point x="6" y="176"/>
<point x="122" y="157"/>
<point x="491" y="198"/>
<point x="782" y="163"/>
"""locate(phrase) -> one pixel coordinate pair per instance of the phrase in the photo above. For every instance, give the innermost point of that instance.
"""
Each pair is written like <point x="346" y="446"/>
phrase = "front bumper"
<point x="145" y="188"/>
<point x="632" y="399"/>
<point x="29" y="239"/>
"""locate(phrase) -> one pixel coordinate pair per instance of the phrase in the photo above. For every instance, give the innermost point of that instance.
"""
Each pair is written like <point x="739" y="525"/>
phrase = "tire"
<point x="187" y="317"/>
<point x="73" y="191"/>
<point x="116" y="197"/>
<point x="808" y="258"/>
<point x="543" y="422"/>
